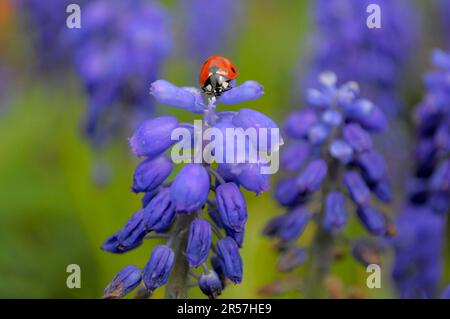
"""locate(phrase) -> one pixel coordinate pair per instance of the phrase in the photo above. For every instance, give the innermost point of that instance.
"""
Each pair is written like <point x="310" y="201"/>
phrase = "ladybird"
<point x="215" y="75"/>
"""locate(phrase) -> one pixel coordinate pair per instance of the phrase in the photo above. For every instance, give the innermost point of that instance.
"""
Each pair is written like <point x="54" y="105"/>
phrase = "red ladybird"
<point x="215" y="75"/>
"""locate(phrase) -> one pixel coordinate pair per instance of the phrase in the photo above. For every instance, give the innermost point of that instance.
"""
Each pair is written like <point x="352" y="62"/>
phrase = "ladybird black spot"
<point x="232" y="69"/>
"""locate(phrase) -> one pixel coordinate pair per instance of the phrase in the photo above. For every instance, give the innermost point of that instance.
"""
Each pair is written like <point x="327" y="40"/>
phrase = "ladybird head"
<point x="216" y="84"/>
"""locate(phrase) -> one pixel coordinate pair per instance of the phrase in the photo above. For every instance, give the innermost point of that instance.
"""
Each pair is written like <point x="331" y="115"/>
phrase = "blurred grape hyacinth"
<point x="118" y="52"/>
<point x="380" y="60"/>
<point x="375" y="58"/>
<point x="47" y="23"/>
<point x="419" y="246"/>
<point x="201" y="212"/>
<point x="202" y="16"/>
<point x="334" y="174"/>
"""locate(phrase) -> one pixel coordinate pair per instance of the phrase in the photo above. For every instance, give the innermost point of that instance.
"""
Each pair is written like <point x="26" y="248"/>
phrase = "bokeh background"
<point x="61" y="194"/>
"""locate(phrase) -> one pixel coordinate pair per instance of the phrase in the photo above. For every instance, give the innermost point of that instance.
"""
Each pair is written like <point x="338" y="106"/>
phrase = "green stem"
<point x="321" y="257"/>
<point x="322" y="249"/>
<point x="177" y="286"/>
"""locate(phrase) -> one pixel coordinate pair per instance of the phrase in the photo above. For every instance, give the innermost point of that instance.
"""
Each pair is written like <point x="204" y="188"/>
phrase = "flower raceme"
<point x="118" y="51"/>
<point x="375" y="58"/>
<point x="201" y="202"/>
<point x="419" y="245"/>
<point x="330" y="158"/>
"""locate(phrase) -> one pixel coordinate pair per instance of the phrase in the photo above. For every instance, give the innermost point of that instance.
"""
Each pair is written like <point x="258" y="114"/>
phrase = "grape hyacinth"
<point x="430" y="185"/>
<point x="418" y="248"/>
<point x="333" y="170"/>
<point x="119" y="51"/>
<point x="418" y="265"/>
<point x="201" y="212"/>
<point x="202" y="16"/>
<point x="378" y="59"/>
<point x="47" y="20"/>
<point x="375" y="58"/>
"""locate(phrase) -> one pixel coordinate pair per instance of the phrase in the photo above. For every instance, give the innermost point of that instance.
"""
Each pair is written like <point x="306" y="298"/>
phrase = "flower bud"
<point x="151" y="173"/>
<point x="127" y="238"/>
<point x="153" y="137"/>
<point x="312" y="177"/>
<point x="190" y="188"/>
<point x="335" y="213"/>
<point x="294" y="224"/>
<point x="210" y="284"/>
<point x="184" y="98"/>
<point x="318" y="99"/>
<point x="341" y="150"/>
<point x="318" y="134"/>
<point x="157" y="269"/>
<point x="299" y="123"/>
<point x="373" y="220"/>
<point x="357" y="188"/>
<point x="382" y="190"/>
<point x="294" y="155"/>
<point x="231" y="262"/>
<point x="148" y="196"/>
<point x="160" y="212"/>
<point x="250" y="177"/>
<point x="332" y="118"/>
<point x="123" y="282"/>
<point x="367" y="114"/>
<point x="199" y="242"/>
<point x="232" y="206"/>
<point x="357" y="137"/>
<point x="248" y="118"/>
<point x="237" y="236"/>
<point x="372" y="165"/>
<point x="291" y="259"/>
<point x="286" y="192"/>
<point x="247" y="91"/>
<point x="289" y="226"/>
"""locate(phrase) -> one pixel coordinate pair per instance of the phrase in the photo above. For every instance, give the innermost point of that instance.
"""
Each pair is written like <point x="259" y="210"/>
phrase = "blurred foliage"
<point x="52" y="214"/>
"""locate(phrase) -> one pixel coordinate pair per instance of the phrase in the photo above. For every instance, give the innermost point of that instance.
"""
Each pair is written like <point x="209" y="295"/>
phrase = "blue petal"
<point x="185" y="98"/>
<point x="247" y="91"/>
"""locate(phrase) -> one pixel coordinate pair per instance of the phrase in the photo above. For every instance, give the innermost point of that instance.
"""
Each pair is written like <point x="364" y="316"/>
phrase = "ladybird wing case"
<point x="217" y="65"/>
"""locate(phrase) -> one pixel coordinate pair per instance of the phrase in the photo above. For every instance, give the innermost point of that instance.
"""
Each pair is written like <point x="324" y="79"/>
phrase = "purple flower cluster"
<point x="431" y="182"/>
<point x="47" y="22"/>
<point x="418" y="252"/>
<point x="190" y="206"/>
<point x="118" y="52"/>
<point x="375" y="58"/>
<point x="330" y="157"/>
<point x="202" y="16"/>
<point x="418" y="265"/>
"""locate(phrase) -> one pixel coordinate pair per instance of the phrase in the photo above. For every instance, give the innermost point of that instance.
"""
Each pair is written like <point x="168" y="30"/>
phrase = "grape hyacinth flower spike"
<point x="418" y="265"/>
<point x="47" y="21"/>
<point x="199" y="16"/>
<point x="334" y="169"/>
<point x="201" y="212"/>
<point x="118" y="52"/>
<point x="377" y="58"/>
